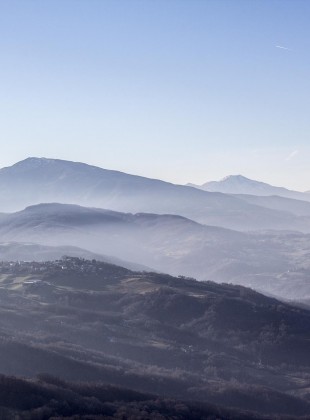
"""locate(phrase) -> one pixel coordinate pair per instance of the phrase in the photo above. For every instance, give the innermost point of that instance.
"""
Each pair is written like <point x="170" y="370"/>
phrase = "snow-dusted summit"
<point x="238" y="184"/>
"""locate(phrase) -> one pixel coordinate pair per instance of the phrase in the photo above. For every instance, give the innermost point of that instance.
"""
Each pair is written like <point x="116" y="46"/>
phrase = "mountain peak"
<point x="239" y="184"/>
<point x="32" y="162"/>
<point x="236" y="178"/>
<point x="35" y="164"/>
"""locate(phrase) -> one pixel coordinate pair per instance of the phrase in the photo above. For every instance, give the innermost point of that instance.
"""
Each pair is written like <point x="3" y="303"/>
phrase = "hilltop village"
<point x="66" y="263"/>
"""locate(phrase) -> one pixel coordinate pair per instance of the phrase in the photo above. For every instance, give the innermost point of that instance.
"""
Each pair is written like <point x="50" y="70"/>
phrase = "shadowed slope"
<point x="86" y="320"/>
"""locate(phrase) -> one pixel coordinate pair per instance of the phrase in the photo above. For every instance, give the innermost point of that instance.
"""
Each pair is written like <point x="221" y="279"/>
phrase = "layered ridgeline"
<point x="238" y="184"/>
<point x="38" y="180"/>
<point x="272" y="262"/>
<point x="174" y="337"/>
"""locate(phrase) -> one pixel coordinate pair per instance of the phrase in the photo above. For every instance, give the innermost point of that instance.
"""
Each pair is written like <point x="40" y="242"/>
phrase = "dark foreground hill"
<point x="177" y="338"/>
<point x="48" y="397"/>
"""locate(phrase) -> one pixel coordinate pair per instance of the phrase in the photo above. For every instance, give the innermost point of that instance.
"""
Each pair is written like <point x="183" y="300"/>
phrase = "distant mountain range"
<point x="238" y="184"/>
<point x="272" y="262"/>
<point x="88" y="317"/>
<point x="259" y="241"/>
<point x="39" y="180"/>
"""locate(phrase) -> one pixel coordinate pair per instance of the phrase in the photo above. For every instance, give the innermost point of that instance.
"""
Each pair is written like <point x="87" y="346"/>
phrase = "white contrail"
<point x="292" y="155"/>
<point x="282" y="48"/>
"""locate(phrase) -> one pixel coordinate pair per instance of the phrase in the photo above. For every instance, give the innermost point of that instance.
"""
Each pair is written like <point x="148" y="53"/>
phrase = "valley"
<point x="273" y="262"/>
<point x="154" y="210"/>
<point x="169" y="295"/>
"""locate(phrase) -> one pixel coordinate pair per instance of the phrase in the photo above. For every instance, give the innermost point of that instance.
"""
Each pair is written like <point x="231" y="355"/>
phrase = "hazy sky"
<point x="182" y="90"/>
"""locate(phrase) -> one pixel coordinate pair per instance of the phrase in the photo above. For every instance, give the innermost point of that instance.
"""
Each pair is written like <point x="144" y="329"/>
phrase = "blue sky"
<point x="186" y="91"/>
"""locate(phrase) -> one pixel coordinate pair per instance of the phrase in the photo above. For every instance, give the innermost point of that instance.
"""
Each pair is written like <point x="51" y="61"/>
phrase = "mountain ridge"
<point x="272" y="262"/>
<point x="239" y="184"/>
<point x="39" y="180"/>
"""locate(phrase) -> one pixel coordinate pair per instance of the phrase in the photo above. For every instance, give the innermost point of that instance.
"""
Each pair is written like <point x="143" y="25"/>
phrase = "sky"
<point x="180" y="90"/>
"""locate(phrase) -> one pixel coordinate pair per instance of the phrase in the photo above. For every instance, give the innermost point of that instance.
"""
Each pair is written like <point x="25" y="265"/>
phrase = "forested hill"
<point x="48" y="397"/>
<point x="176" y="337"/>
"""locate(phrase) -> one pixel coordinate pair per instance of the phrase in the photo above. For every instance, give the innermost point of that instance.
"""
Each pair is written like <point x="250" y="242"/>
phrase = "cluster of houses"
<point x="65" y="263"/>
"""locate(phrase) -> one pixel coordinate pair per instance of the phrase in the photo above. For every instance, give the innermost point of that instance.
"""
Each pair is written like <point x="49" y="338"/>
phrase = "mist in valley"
<point x="154" y="210"/>
<point x="129" y="299"/>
